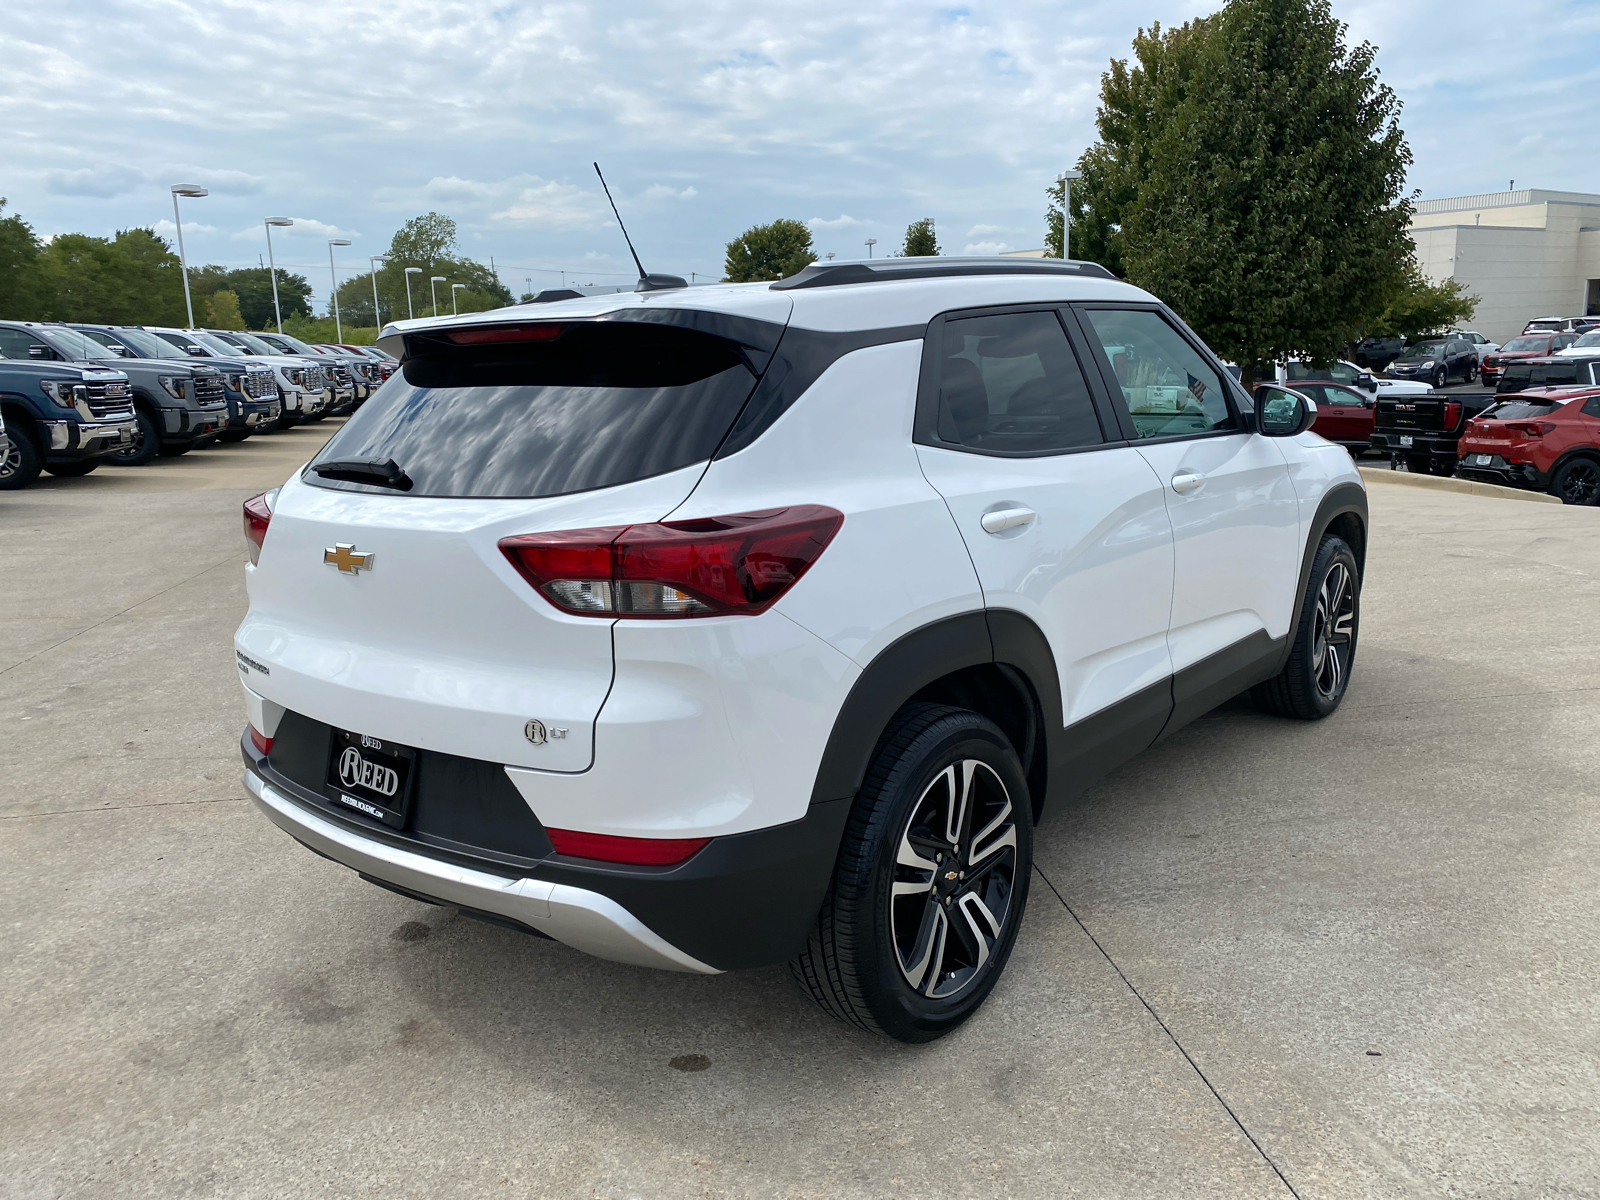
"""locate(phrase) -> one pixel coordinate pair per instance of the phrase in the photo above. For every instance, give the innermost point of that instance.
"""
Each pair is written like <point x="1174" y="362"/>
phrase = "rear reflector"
<point x="260" y="741"/>
<point x="642" y="852"/>
<point x="545" y="331"/>
<point x="709" y="567"/>
<point x="257" y="516"/>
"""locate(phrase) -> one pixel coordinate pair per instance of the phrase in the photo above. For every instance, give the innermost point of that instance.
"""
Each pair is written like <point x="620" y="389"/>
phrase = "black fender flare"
<point x="1344" y="503"/>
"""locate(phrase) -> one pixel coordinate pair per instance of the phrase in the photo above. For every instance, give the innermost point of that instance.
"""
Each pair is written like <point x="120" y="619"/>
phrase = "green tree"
<point x="1415" y="306"/>
<point x="920" y="242"/>
<point x="768" y="252"/>
<point x="133" y="278"/>
<point x="20" y="282"/>
<point x="253" y="285"/>
<point x="222" y="310"/>
<point x="1250" y="172"/>
<point x="424" y="239"/>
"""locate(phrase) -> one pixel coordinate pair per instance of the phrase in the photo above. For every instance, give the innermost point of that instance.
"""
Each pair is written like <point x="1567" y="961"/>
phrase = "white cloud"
<point x="985" y="248"/>
<point x="303" y="227"/>
<point x="982" y="230"/>
<point x="165" y="228"/>
<point x="223" y="182"/>
<point x="104" y="182"/>
<point x="838" y="225"/>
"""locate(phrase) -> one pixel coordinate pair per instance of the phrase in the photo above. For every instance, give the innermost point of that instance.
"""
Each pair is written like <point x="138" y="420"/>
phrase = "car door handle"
<point x="1187" y="481"/>
<point x="1006" y="518"/>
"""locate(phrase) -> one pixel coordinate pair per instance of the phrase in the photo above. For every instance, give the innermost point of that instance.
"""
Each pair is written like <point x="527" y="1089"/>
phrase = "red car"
<point x="1544" y="438"/>
<point x="1344" y="414"/>
<point x="1529" y="345"/>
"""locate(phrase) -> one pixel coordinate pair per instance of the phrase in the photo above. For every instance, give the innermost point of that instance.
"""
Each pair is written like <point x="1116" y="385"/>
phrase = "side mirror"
<point x="119" y="351"/>
<point x="1283" y="413"/>
<point x="1367" y="382"/>
<point x="195" y="351"/>
<point x="39" y="352"/>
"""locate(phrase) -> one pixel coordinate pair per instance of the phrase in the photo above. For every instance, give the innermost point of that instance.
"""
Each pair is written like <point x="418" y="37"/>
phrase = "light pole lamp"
<point x="411" y="312"/>
<point x="373" y="260"/>
<point x="869" y="244"/>
<point x="338" y="329"/>
<point x="454" y="288"/>
<point x="270" y="222"/>
<point x="194" y="191"/>
<point x="1065" y="180"/>
<point x="433" y="290"/>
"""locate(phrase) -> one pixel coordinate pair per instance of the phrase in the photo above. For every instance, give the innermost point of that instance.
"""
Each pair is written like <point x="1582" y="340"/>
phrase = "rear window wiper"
<point x="380" y="473"/>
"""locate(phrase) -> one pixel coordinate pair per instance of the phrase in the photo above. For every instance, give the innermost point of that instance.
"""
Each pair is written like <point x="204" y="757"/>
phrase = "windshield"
<point x="1551" y="324"/>
<point x="213" y="342"/>
<point x="74" y="346"/>
<point x="296" y="346"/>
<point x="250" y="342"/>
<point x="1526" y="345"/>
<point x="146" y="345"/>
<point x="1423" y="350"/>
<point x="1592" y="338"/>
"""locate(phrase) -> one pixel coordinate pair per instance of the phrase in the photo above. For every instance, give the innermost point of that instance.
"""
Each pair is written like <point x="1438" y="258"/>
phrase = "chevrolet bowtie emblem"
<point x="345" y="556"/>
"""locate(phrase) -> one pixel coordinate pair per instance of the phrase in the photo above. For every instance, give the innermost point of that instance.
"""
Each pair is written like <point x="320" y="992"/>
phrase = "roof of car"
<point x="908" y="292"/>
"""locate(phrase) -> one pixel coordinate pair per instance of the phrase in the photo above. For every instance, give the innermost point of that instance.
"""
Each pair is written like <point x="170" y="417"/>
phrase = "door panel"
<point x="1092" y="568"/>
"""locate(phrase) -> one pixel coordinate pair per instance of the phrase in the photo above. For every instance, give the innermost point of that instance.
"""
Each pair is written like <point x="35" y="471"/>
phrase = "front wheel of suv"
<point x="931" y="880"/>
<point x="1314" y="680"/>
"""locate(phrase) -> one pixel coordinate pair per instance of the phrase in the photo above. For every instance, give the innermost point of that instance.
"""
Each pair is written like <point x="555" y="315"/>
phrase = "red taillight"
<point x="257" y="516"/>
<point x="642" y="852"/>
<point x="545" y="331"/>
<point x="1452" y="413"/>
<point x="260" y="740"/>
<point x="1531" y="428"/>
<point x="708" y="567"/>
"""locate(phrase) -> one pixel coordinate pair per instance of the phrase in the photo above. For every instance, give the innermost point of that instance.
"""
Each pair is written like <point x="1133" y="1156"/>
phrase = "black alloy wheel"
<point x="1577" y="482"/>
<point x="21" y="464"/>
<point x="146" y="442"/>
<point x="1322" y="655"/>
<point x="931" y="881"/>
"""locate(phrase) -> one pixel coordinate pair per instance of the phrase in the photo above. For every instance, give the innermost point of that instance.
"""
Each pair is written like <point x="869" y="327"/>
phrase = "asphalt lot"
<point x="1359" y="953"/>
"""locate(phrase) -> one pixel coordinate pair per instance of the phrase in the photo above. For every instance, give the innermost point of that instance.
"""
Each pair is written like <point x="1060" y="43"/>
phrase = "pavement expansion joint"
<point x="106" y="808"/>
<point x="1172" y="1037"/>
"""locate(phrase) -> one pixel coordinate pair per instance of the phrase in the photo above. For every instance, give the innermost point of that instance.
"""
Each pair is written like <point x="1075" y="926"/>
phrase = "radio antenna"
<point x="647" y="282"/>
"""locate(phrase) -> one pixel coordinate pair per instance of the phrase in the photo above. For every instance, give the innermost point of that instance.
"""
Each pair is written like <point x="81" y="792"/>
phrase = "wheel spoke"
<point x="983" y="849"/>
<point x="960" y="798"/>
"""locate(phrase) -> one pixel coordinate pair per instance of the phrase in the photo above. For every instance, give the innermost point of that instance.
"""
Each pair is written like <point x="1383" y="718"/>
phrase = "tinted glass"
<point x="603" y="404"/>
<point x="1338" y="372"/>
<point x="1592" y="338"/>
<point x="1516" y="410"/>
<point x="1591" y="408"/>
<point x="14" y="343"/>
<point x="1011" y="383"/>
<point x="148" y="345"/>
<point x="1526" y="345"/>
<point x="1168" y="388"/>
<point x="218" y="345"/>
<point x="1423" y="351"/>
<point x="1337" y="397"/>
<point x="72" y="345"/>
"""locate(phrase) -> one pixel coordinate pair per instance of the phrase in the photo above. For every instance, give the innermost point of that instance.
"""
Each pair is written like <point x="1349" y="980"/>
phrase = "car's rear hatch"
<point x="1422" y="413"/>
<point x="391" y="611"/>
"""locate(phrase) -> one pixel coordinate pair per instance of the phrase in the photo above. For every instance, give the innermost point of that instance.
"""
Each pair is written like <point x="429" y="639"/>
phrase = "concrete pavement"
<point x="1355" y="958"/>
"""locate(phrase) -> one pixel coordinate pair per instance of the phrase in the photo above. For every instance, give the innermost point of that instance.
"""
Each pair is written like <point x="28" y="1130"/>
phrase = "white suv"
<point x="721" y="627"/>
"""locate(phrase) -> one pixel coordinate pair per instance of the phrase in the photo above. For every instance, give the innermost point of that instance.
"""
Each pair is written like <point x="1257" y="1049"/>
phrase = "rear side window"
<point x="1011" y="383"/>
<point x="1169" y="389"/>
<point x="595" y="405"/>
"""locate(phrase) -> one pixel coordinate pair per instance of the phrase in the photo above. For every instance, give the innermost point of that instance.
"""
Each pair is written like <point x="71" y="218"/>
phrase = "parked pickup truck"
<point x="61" y="418"/>
<point x="304" y="394"/>
<point x="1422" y="431"/>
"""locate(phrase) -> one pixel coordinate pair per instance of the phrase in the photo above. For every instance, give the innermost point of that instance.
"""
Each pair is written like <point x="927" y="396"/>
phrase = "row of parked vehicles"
<point x="1538" y="428"/>
<point x="74" y="396"/>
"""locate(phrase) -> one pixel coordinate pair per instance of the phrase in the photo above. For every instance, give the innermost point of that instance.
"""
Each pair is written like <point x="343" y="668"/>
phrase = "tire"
<point x="886" y="955"/>
<point x="1315" y="679"/>
<point x="1577" y="482"/>
<point x="1440" y="378"/>
<point x="72" y="470"/>
<point x="146" y="442"/>
<point x="22" y="463"/>
<point x="1419" y="464"/>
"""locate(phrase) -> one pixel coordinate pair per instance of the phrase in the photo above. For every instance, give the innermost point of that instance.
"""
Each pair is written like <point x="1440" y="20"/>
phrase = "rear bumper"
<point x="1498" y="470"/>
<point x="1423" y="443"/>
<point x="745" y="900"/>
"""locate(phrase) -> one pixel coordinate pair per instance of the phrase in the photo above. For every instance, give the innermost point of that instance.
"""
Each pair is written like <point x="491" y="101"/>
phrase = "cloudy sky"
<point x="708" y="116"/>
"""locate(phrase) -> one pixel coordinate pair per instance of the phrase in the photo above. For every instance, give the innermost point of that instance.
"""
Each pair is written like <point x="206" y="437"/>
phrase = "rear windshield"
<point x="1518" y="410"/>
<point x="1526" y="375"/>
<point x="1422" y="350"/>
<point x="602" y="404"/>
<point x="1526" y="345"/>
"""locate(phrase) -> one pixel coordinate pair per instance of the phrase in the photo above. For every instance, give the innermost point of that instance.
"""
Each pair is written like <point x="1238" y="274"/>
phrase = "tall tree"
<point x="131" y="279"/>
<point x="424" y="239"/>
<point x="920" y="241"/>
<point x="222" y="310"/>
<point x="1415" y="305"/>
<point x="20" y="283"/>
<point x="766" y="252"/>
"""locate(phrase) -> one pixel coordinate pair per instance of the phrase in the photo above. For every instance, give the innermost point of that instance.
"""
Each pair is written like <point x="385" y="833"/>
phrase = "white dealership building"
<point x="1525" y="254"/>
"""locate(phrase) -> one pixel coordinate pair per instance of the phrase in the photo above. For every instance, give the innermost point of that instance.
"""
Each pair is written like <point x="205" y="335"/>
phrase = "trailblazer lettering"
<point x="355" y="771"/>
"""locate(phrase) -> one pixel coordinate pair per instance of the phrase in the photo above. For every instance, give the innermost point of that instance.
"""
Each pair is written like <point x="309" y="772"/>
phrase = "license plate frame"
<point x="1482" y="460"/>
<point x="1405" y="441"/>
<point x="360" y="783"/>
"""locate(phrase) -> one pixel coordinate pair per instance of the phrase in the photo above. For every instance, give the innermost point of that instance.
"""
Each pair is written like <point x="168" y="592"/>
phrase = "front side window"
<point x="1169" y="389"/>
<point x="1010" y="383"/>
<point x="14" y="343"/>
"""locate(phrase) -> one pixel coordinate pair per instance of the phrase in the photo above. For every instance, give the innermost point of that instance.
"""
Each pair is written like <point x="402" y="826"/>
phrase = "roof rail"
<point x="835" y="274"/>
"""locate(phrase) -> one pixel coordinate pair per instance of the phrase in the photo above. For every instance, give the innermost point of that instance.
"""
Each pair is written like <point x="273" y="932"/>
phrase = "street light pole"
<point x="1065" y="180"/>
<point x="870" y="243"/>
<point x="195" y="191"/>
<point x="454" y="288"/>
<point x="338" y="328"/>
<point x="411" y="312"/>
<point x="373" y="260"/>
<point x="269" y="222"/>
<point x="434" y="291"/>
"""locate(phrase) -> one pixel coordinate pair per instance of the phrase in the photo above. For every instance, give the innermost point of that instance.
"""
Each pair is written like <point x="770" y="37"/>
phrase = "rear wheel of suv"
<point x="931" y="880"/>
<point x="146" y="442"/>
<point x="1577" y="482"/>
<point x="1313" y="682"/>
<point x="22" y="462"/>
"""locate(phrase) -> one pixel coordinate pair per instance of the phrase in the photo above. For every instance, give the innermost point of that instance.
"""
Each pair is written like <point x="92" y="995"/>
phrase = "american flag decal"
<point x="1197" y="389"/>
